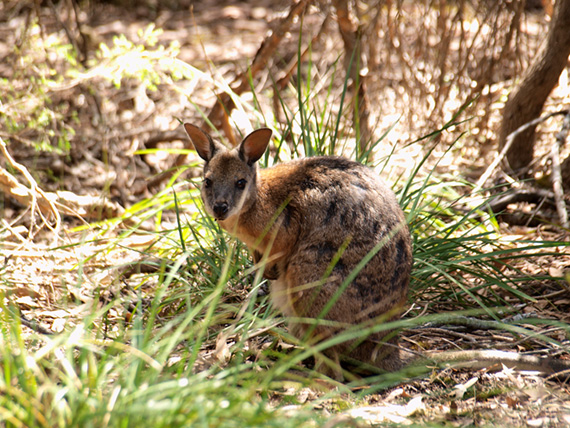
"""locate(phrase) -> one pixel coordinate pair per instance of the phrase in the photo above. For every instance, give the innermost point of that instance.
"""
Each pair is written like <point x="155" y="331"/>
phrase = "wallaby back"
<point x="332" y="236"/>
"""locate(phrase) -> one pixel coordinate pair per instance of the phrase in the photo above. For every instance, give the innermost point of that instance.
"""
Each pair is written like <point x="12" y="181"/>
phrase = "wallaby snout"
<point x="220" y="210"/>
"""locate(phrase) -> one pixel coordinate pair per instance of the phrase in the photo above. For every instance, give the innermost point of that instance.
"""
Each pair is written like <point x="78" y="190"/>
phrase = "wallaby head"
<point x="230" y="175"/>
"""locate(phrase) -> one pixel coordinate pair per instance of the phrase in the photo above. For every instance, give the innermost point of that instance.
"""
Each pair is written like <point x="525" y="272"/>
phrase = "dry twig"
<point x="509" y="141"/>
<point x="556" y="174"/>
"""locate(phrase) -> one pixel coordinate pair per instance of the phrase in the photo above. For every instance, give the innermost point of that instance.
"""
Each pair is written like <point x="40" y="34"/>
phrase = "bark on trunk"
<point x="353" y="61"/>
<point x="526" y="101"/>
<point x="565" y="170"/>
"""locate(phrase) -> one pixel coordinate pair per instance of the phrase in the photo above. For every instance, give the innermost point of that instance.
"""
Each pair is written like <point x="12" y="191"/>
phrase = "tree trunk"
<point x="527" y="99"/>
<point x="353" y="62"/>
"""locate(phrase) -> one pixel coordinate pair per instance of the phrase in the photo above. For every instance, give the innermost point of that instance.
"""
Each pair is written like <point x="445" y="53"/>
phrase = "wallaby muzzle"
<point x="220" y="210"/>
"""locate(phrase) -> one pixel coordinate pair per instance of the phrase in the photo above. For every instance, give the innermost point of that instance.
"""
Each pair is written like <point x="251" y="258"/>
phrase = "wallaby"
<point x="334" y="241"/>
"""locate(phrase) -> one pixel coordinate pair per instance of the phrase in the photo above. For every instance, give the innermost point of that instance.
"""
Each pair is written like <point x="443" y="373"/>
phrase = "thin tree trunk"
<point x="353" y="61"/>
<point x="527" y="100"/>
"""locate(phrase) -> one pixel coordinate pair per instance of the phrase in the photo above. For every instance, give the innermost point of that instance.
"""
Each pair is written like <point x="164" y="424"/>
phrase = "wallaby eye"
<point x="207" y="182"/>
<point x="240" y="184"/>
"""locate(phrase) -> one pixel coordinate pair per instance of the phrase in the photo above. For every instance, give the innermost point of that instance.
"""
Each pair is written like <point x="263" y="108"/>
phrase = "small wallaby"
<point x="314" y="220"/>
<point x="334" y="241"/>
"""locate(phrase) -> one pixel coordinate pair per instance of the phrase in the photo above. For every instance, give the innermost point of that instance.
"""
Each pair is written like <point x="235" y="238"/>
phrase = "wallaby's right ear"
<point x="202" y="142"/>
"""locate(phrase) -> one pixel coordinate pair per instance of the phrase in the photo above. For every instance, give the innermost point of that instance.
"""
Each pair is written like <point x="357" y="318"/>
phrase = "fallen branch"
<point x="50" y="205"/>
<point x="33" y="197"/>
<point x="534" y="196"/>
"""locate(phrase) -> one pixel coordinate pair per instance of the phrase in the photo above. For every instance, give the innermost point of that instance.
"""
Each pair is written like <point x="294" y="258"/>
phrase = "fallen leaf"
<point x="538" y="393"/>
<point x="27" y="302"/>
<point x="222" y="352"/>
<point x="304" y="395"/>
<point x="538" y="422"/>
<point x="394" y="413"/>
<point x="512" y="402"/>
<point x="58" y="325"/>
<point x="461" y="389"/>
<point x="398" y="392"/>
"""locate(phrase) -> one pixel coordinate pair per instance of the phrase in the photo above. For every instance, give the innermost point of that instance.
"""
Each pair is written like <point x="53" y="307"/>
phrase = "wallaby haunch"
<point x="334" y="241"/>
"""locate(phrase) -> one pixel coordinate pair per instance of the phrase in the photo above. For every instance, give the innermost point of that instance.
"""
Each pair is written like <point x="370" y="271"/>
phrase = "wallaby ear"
<point x="202" y="142"/>
<point x="253" y="146"/>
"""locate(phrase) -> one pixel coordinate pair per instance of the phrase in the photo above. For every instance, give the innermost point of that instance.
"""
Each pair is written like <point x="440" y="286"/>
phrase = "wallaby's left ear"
<point x="253" y="146"/>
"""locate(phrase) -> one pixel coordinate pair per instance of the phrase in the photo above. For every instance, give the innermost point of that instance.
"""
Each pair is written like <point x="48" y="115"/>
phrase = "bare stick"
<point x="34" y="325"/>
<point x="556" y="174"/>
<point x="33" y="196"/>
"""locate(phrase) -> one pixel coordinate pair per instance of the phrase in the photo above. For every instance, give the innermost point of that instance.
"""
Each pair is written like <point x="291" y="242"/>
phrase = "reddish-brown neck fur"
<point x="262" y="225"/>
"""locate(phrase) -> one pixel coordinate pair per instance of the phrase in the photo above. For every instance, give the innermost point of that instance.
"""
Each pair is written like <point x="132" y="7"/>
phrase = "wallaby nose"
<point x="220" y="209"/>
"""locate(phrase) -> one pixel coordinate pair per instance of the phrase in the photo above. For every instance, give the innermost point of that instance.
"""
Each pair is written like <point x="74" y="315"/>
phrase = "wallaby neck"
<point x="261" y="217"/>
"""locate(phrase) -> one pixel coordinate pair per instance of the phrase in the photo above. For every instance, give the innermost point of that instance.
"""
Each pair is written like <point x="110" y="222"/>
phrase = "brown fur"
<point x="299" y="216"/>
